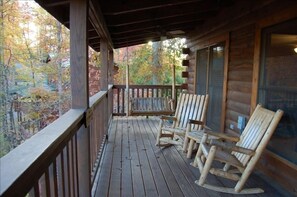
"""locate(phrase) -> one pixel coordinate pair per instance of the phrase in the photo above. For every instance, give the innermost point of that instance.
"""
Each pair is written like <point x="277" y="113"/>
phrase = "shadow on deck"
<point x="133" y="166"/>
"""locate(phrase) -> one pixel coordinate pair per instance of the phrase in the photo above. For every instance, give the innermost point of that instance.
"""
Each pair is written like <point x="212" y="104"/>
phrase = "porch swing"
<point x="151" y="106"/>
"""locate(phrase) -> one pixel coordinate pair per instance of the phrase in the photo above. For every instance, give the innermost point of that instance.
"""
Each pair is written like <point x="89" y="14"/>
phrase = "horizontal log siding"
<point x="191" y="70"/>
<point x="240" y="72"/>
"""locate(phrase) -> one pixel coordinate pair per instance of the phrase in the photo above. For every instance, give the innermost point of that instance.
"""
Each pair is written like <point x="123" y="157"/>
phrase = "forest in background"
<point x="35" y="84"/>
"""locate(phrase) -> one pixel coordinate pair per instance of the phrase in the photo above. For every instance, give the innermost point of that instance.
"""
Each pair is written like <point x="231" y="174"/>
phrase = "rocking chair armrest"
<point x="222" y="136"/>
<point x="190" y="121"/>
<point x="168" y="118"/>
<point x="232" y="147"/>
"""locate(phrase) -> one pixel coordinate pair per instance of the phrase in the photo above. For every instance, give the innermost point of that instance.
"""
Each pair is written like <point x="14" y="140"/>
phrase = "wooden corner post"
<point x="80" y="90"/>
<point x="104" y="77"/>
<point x="104" y="65"/>
<point x="110" y="67"/>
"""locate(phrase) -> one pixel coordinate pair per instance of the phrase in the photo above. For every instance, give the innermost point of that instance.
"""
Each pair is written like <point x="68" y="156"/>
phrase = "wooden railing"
<point x="136" y="91"/>
<point x="48" y="163"/>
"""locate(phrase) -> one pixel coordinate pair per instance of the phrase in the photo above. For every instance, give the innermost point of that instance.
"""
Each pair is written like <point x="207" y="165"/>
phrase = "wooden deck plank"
<point x="133" y="166"/>
<point x="172" y="183"/>
<point x="105" y="165"/>
<point x="127" y="185"/>
<point x="138" y="187"/>
<point x="116" y="166"/>
<point x="148" y="180"/>
<point x="160" y="181"/>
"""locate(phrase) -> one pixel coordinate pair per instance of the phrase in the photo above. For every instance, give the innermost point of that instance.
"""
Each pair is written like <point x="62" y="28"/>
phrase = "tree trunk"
<point x="3" y="77"/>
<point x="157" y="48"/>
<point x="60" y="86"/>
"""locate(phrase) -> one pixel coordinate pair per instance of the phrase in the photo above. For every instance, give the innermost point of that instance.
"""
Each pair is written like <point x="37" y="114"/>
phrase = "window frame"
<point x="223" y="38"/>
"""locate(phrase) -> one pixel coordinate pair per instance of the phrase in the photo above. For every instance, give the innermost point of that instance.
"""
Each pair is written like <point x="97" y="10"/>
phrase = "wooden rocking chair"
<point x="240" y="158"/>
<point x="189" y="106"/>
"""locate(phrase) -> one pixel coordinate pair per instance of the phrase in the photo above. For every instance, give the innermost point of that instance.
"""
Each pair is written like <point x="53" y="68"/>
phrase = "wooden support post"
<point x="173" y="96"/>
<point x="104" y="65"/>
<point x="127" y="91"/>
<point x="80" y="90"/>
<point x="110" y="67"/>
<point x="104" y="77"/>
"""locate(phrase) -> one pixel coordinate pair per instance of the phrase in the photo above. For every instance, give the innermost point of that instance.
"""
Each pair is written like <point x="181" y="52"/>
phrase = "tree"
<point x="152" y="64"/>
<point x="35" y="47"/>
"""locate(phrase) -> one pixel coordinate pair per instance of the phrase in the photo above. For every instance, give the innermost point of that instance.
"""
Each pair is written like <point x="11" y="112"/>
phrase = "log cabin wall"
<point x="240" y="72"/>
<point x="243" y="61"/>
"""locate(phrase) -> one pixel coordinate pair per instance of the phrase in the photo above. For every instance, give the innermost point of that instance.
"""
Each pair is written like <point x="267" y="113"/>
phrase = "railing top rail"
<point x="145" y="86"/>
<point x="99" y="96"/>
<point x="27" y="162"/>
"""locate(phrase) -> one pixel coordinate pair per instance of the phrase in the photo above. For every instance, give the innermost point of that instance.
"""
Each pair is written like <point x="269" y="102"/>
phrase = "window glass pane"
<point x="210" y="77"/>
<point x="202" y="59"/>
<point x="278" y="85"/>
<point x="215" y="87"/>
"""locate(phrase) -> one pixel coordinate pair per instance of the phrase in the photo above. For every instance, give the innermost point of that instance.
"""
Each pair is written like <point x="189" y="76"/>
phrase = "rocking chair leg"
<point x="190" y="148"/>
<point x="207" y="165"/>
<point x="158" y="138"/>
<point x="159" y="134"/>
<point x="196" y="145"/>
<point x="226" y="167"/>
<point x="197" y="157"/>
<point x="245" y="175"/>
<point x="186" y="141"/>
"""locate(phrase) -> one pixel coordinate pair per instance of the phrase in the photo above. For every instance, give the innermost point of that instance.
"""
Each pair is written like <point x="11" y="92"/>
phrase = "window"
<point x="210" y="78"/>
<point x="278" y="84"/>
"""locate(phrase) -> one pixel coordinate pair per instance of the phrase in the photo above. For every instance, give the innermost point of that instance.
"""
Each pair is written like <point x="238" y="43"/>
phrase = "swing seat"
<point x="151" y="106"/>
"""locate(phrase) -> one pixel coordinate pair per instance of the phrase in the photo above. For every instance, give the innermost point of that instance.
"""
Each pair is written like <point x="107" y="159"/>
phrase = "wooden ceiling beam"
<point x="173" y="17"/>
<point x="98" y="22"/>
<point x="162" y="28"/>
<point x="95" y="39"/>
<point x="128" y="42"/>
<point x="135" y="35"/>
<point x="149" y="38"/>
<point x="118" y="8"/>
<point x="94" y="43"/>
<point x="55" y="3"/>
<point x="132" y="43"/>
<point x="202" y="8"/>
<point x="93" y="34"/>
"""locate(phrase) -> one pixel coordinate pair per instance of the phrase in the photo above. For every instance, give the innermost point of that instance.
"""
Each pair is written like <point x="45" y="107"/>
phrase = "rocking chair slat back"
<point x="190" y="106"/>
<point x="254" y="132"/>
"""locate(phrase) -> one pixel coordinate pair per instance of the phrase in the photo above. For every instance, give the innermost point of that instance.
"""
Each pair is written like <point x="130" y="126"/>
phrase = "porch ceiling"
<point x="131" y="22"/>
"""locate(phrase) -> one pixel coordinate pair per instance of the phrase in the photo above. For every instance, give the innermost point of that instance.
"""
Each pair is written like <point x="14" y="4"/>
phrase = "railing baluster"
<point x="36" y="190"/>
<point x="123" y="100"/>
<point x="118" y="100"/>
<point x="70" y="168"/>
<point x="42" y="186"/>
<point x="137" y="92"/>
<point x="52" y="175"/>
<point x="64" y="175"/>
<point x="75" y="165"/>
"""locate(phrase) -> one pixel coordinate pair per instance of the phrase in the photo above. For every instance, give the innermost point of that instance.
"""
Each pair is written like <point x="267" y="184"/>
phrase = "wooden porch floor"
<point x="133" y="166"/>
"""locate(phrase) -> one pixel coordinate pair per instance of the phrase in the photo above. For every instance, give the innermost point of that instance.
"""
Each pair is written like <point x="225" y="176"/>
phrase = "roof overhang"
<point x="132" y="22"/>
